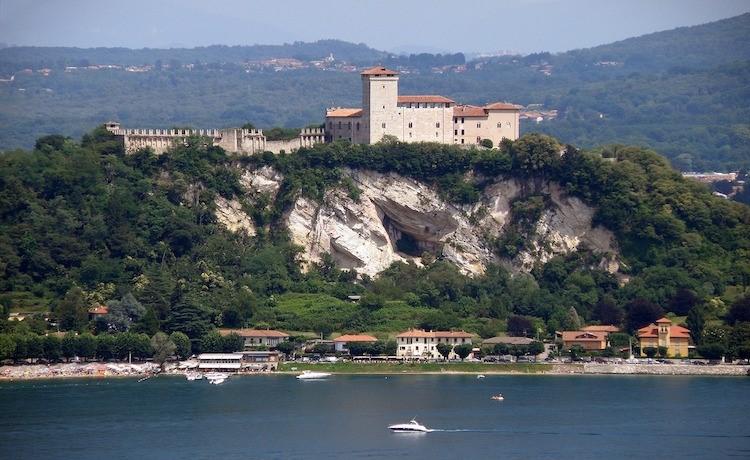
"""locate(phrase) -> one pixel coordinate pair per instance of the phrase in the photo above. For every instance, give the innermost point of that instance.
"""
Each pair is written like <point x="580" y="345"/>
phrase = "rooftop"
<point x="254" y="332"/>
<point x="355" y="338"/>
<point x="343" y="112"/>
<point x="425" y="98"/>
<point x="502" y="106"/>
<point x="601" y="328"/>
<point x="468" y="111"/>
<point x="652" y="331"/>
<point x="508" y="340"/>
<point x="583" y="336"/>
<point x="379" y="71"/>
<point x="99" y="310"/>
<point x="436" y="334"/>
<point x="207" y="356"/>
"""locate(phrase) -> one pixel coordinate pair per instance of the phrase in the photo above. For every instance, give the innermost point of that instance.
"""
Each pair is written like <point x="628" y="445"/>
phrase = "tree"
<point x="573" y="319"/>
<point x="163" y="348"/>
<point x="182" y="344"/>
<point x="444" y="349"/>
<point x="650" y="352"/>
<point x="696" y="322"/>
<point x="105" y="346"/>
<point x="232" y="342"/>
<point x="69" y="345"/>
<point x="35" y="346"/>
<point x="500" y="349"/>
<point x="52" y="348"/>
<point x="122" y="313"/>
<point x="463" y="350"/>
<point x="713" y="350"/>
<point x="212" y="342"/>
<point x="536" y="154"/>
<point x="124" y="345"/>
<point x="608" y="312"/>
<point x="641" y="313"/>
<point x="520" y="326"/>
<point x="739" y="311"/>
<point x="7" y="347"/>
<point x="287" y="347"/>
<point x="322" y="348"/>
<point x="683" y="301"/>
<point x="662" y="352"/>
<point x="536" y="348"/>
<point x="142" y="346"/>
<point x="71" y="312"/>
<point x="86" y="346"/>
<point x="486" y="143"/>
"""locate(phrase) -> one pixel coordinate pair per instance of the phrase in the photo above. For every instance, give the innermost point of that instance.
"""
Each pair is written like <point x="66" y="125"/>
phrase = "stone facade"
<point x="419" y="118"/>
<point x="234" y="140"/>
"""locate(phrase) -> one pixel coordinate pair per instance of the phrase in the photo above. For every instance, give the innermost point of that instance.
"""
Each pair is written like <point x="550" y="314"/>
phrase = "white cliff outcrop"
<point x="398" y="219"/>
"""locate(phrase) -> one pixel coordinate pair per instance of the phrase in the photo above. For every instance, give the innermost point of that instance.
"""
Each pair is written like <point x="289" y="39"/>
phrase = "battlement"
<point x="235" y="140"/>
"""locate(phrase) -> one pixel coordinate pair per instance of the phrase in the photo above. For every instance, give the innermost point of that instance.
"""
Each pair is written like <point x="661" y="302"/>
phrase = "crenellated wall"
<point x="234" y="140"/>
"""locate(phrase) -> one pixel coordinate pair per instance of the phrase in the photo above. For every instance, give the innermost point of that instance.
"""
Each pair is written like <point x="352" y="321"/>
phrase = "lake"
<point x="266" y="417"/>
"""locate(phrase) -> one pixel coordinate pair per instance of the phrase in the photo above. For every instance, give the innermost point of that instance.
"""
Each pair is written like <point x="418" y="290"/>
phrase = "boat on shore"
<point x="312" y="375"/>
<point x="217" y="378"/>
<point x="412" y="427"/>
<point x="193" y="376"/>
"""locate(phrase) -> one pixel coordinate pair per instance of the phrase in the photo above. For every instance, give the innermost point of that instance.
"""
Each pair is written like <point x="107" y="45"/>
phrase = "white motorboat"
<point x="311" y="375"/>
<point x="497" y="397"/>
<point x="412" y="427"/>
<point x="217" y="378"/>
<point x="480" y="376"/>
<point x="193" y="376"/>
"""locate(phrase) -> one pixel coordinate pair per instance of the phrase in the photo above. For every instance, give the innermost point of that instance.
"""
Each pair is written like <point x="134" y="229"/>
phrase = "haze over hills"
<point x="684" y="92"/>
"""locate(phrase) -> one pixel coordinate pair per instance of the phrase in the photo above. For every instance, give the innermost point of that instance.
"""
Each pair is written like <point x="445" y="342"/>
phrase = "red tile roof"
<point x="254" y="332"/>
<point x="378" y="70"/>
<point x="583" y="336"/>
<point x="652" y="331"/>
<point x="343" y="112"/>
<point x="424" y="98"/>
<point x="355" y="338"/>
<point x="469" y="111"/>
<point x="601" y="328"/>
<point x="99" y="310"/>
<point x="502" y="106"/>
<point x="435" y="334"/>
<point x="663" y="320"/>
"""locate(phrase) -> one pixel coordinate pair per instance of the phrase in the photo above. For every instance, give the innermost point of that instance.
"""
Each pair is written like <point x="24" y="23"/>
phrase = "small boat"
<point x="193" y="376"/>
<point x="480" y="376"/>
<point x="412" y="427"/>
<point x="310" y="375"/>
<point x="497" y="397"/>
<point x="217" y="378"/>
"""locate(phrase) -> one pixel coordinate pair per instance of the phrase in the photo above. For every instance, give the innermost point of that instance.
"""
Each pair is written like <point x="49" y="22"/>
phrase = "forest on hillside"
<point x="81" y="223"/>
<point x="685" y="92"/>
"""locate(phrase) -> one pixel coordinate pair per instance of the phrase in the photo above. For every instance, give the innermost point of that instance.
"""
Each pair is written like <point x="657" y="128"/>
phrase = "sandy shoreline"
<point x="110" y="370"/>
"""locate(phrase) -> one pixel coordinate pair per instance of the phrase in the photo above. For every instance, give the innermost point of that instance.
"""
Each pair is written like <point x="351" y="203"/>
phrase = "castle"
<point x="421" y="118"/>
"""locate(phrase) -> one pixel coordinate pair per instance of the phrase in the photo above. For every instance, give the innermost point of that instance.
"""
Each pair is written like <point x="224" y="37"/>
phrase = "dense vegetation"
<point x="82" y="223"/>
<point x="683" y="92"/>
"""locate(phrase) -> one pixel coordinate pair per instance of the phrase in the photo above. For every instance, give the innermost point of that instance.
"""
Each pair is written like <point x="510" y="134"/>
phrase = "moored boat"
<point x="311" y="375"/>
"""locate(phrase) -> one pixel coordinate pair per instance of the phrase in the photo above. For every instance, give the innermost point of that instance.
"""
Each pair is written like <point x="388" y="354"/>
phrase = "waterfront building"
<point x="417" y="118"/>
<point x="342" y="342"/>
<point x="223" y="362"/>
<point x="588" y="340"/>
<point x="418" y="343"/>
<point x="662" y="333"/>
<point x="258" y="337"/>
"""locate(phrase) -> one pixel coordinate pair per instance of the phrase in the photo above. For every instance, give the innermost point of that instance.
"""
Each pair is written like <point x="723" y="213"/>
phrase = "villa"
<point x="258" y="337"/>
<point x="676" y="339"/>
<point x="341" y="343"/>
<point x="418" y="343"/>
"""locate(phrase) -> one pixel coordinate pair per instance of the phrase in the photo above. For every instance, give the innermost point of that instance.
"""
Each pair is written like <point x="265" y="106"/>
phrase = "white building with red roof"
<point x="418" y="343"/>
<point x="342" y="342"/>
<point x="417" y="118"/>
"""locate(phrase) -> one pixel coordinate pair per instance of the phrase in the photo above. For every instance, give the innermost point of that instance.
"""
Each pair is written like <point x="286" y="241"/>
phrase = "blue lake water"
<point x="268" y="417"/>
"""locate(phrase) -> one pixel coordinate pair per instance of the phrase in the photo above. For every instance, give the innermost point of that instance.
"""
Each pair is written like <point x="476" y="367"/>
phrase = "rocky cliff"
<point x="398" y="219"/>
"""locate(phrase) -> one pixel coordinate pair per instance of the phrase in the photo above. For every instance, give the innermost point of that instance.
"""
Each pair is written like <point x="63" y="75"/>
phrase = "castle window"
<point x="462" y="132"/>
<point x="479" y="139"/>
<point x="437" y="125"/>
<point x="409" y="135"/>
<point x="479" y="125"/>
<point x="455" y="120"/>
<point x="339" y="125"/>
<point x="410" y="124"/>
<point x="455" y="132"/>
<point x="500" y="124"/>
<point x="357" y="126"/>
<point x="462" y="119"/>
<point x="383" y="125"/>
<point x="383" y="106"/>
<point x="462" y="141"/>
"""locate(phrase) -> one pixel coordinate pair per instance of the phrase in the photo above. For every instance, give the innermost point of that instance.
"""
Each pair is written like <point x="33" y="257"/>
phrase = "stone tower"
<point x="379" y="104"/>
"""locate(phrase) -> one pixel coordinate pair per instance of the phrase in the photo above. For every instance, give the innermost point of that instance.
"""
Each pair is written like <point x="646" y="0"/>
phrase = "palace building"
<point x="419" y="118"/>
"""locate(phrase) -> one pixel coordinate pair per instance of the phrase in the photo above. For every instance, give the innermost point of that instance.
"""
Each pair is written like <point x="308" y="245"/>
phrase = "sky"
<point x="398" y="26"/>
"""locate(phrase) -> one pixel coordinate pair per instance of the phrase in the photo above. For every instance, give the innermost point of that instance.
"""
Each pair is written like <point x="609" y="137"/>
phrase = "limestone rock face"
<point x="399" y="219"/>
<point x="230" y="214"/>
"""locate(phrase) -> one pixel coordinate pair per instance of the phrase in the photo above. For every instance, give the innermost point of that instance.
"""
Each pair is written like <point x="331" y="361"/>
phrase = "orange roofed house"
<point x="417" y="343"/>
<point x="676" y="339"/>
<point x="258" y="337"/>
<point x="417" y="118"/>
<point x="340" y="343"/>
<point x="588" y="340"/>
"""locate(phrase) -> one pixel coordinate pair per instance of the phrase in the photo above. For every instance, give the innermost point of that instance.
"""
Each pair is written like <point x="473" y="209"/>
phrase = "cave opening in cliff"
<point x="407" y="243"/>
